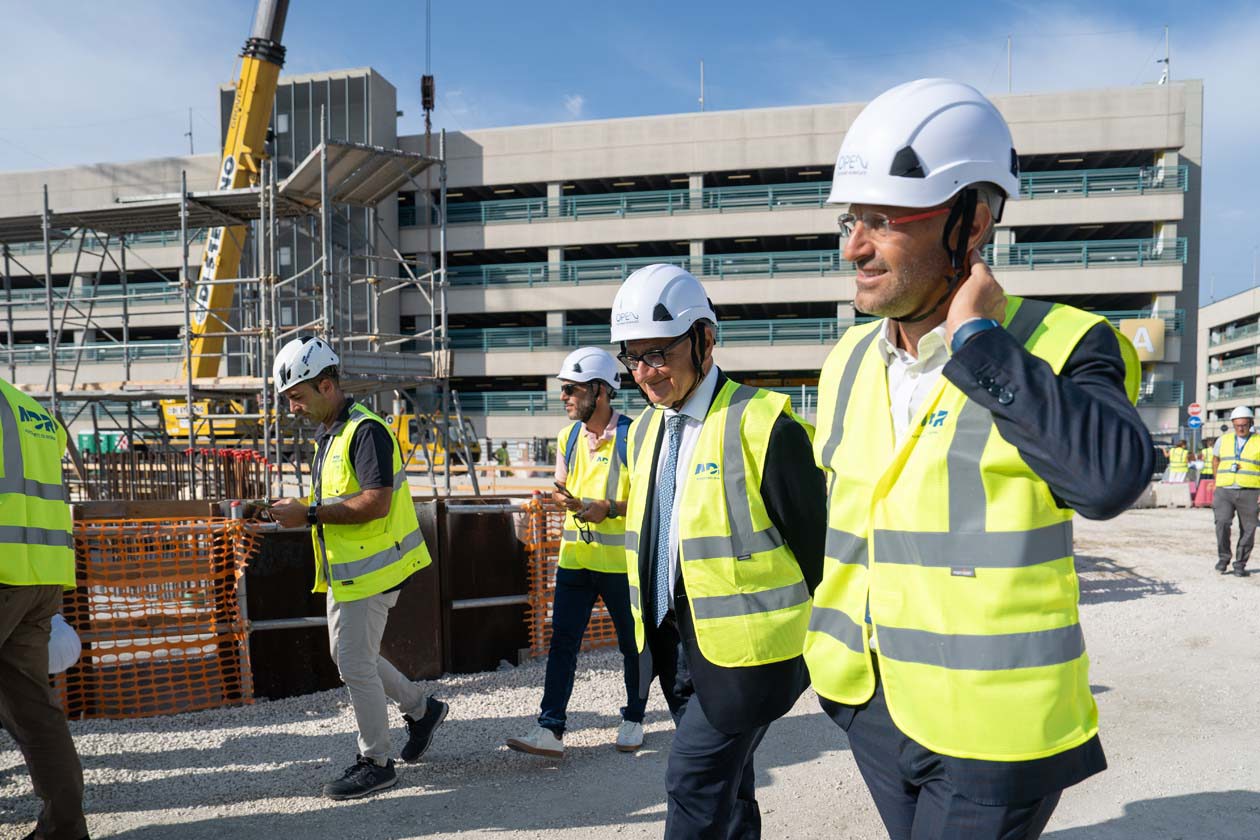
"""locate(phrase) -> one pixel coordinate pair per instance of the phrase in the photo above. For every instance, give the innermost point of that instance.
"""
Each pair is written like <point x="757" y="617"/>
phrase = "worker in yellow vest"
<point x="367" y="544"/>
<point x="592" y="484"/>
<point x="724" y="535"/>
<point x="36" y="565"/>
<point x="1205" y="490"/>
<point x="1178" y="463"/>
<point x="958" y="434"/>
<point x="1236" y="465"/>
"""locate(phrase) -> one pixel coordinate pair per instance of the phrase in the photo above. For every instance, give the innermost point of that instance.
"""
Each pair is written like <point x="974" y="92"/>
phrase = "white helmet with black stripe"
<point x="301" y="359"/>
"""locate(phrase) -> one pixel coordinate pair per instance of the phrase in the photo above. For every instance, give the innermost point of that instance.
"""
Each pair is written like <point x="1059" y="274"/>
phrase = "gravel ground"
<point x="1175" y="672"/>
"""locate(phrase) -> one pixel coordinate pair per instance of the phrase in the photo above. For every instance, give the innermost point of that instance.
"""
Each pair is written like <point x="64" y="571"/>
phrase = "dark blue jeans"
<point x="576" y="591"/>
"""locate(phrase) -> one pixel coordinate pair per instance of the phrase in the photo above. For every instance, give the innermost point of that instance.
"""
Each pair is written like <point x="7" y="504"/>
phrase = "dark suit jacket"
<point x="793" y="489"/>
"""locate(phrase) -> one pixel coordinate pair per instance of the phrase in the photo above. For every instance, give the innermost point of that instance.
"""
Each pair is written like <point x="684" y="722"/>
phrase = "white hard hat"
<point x="64" y="646"/>
<point x="1242" y="412"/>
<point x="920" y="143"/>
<point x="659" y="301"/>
<point x="302" y="359"/>
<point x="590" y="363"/>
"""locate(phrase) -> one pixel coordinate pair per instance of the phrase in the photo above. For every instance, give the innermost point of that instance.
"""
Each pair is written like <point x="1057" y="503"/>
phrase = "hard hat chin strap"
<point x="962" y="214"/>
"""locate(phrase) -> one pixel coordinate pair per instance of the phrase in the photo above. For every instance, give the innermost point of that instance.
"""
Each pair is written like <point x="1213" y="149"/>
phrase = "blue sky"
<point x="114" y="81"/>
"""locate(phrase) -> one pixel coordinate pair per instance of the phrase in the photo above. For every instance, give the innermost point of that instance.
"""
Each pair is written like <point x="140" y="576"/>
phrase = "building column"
<point x="555" y="191"/>
<point x="696" y="252"/>
<point x="845" y="313"/>
<point x="555" y="261"/>
<point x="695" y="184"/>
<point x="556" y="322"/>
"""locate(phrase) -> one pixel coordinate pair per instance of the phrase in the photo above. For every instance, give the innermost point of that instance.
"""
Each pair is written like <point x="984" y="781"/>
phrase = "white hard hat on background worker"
<point x="587" y="364"/>
<point x="1242" y="412"/>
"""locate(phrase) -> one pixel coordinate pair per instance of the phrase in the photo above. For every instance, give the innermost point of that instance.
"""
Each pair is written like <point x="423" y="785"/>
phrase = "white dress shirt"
<point x="910" y="380"/>
<point x="695" y="409"/>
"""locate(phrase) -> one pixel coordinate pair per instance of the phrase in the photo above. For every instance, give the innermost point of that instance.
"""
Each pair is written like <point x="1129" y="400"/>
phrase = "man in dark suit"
<point x="959" y="435"/>
<point x="724" y="538"/>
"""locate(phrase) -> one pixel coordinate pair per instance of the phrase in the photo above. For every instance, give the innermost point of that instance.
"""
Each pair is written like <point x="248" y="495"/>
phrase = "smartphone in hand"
<point x="562" y="490"/>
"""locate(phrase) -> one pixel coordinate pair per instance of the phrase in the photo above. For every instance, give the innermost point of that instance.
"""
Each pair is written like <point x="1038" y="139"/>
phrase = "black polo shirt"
<point x="371" y="450"/>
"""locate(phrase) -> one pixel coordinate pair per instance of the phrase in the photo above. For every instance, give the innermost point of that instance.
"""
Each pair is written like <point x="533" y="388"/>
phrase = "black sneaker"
<point x="1223" y="568"/>
<point x="420" y="732"/>
<point x="1241" y="573"/>
<point x="366" y="776"/>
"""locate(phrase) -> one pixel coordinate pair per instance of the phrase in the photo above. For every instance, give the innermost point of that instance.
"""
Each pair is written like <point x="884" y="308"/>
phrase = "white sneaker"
<point x="629" y="736"/>
<point x="540" y="741"/>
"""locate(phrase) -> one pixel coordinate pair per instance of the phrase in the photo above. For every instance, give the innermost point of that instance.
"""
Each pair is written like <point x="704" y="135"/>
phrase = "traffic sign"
<point x="1195" y="409"/>
<point x="1194" y="422"/>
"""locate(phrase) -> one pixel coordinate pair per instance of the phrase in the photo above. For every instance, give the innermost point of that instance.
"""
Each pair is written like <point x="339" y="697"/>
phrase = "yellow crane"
<point x="243" y="155"/>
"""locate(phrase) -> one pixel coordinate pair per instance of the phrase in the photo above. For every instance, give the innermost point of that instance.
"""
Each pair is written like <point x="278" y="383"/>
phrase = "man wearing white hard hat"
<point x="1236" y="465"/>
<point x="724" y="536"/>
<point x="367" y="544"/>
<point x="592" y="483"/>
<point x="959" y="433"/>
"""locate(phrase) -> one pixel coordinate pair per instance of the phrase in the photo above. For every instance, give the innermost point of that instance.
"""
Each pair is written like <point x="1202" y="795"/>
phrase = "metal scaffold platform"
<point x="330" y="203"/>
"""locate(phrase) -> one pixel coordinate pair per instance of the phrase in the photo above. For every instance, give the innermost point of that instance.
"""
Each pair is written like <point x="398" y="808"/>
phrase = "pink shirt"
<point x="593" y="443"/>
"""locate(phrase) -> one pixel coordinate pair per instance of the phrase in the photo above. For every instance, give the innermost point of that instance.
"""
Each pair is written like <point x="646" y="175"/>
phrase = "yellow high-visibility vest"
<point x="962" y="554"/>
<point x="749" y="601"/>
<point x="369" y="558"/>
<point x="592" y="477"/>
<point x="36" y="529"/>
<point x="1206" y="455"/>
<point x="1178" y="458"/>
<point x="1242" y="470"/>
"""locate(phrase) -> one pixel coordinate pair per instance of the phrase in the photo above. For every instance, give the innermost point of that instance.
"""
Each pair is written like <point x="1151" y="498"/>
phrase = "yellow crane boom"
<point x="243" y="153"/>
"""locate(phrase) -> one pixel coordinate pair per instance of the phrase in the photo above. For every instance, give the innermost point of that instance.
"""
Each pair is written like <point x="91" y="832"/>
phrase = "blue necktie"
<point x="664" y="516"/>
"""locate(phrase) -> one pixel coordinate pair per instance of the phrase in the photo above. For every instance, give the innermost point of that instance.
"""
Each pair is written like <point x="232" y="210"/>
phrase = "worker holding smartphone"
<point x="591" y="485"/>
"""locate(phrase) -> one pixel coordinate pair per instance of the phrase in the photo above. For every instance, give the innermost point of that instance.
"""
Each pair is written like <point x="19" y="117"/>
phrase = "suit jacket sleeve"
<point x="795" y="494"/>
<point x="1077" y="430"/>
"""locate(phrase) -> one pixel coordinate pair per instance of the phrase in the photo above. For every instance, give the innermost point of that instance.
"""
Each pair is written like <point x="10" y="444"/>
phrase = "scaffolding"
<point x="338" y="296"/>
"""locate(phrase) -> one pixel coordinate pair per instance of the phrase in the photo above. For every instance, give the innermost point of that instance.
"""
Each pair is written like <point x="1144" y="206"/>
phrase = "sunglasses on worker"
<point x="652" y="358"/>
<point x="568" y="389"/>
<point x="878" y="224"/>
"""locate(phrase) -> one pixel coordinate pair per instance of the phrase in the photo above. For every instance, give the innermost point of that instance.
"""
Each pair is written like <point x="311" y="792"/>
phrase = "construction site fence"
<point x="544" y="524"/>
<point x="156" y="606"/>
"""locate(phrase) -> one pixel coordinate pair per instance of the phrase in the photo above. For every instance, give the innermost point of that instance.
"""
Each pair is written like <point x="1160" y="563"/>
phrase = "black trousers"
<point x="710" y="782"/>
<point x="915" y="795"/>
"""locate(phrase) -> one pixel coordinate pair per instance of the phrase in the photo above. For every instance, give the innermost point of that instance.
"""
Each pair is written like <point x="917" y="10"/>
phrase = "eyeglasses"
<point x="877" y="224"/>
<point x="652" y="358"/>
<point x="584" y="529"/>
<point x="569" y="389"/>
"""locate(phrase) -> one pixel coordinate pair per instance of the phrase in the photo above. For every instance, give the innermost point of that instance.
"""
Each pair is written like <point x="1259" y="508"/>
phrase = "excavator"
<point x="243" y="156"/>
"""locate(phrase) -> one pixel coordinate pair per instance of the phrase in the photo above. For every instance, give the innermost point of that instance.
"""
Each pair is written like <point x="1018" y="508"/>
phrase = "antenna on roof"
<point x="702" y="84"/>
<point x="1166" y="61"/>
<point x="189" y="133"/>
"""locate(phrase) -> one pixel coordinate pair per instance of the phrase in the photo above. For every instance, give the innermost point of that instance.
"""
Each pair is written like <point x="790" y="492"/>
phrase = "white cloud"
<point x="575" y="103"/>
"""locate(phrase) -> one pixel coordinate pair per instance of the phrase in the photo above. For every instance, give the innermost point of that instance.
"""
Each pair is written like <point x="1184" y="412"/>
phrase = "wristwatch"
<point x="964" y="333"/>
<point x="612" y="509"/>
<point x="312" y="515"/>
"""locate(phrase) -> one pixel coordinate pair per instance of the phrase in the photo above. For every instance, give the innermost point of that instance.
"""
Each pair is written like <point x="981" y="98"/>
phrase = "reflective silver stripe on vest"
<point x="982" y="652"/>
<point x="23" y="535"/>
<point x="750" y="603"/>
<point x="839" y="626"/>
<point x="845" y="547"/>
<point x="14" y="479"/>
<point x="379" y="560"/>
<point x="640" y="432"/>
<point x="634" y="598"/>
<point x="632" y="541"/>
<point x="400" y="481"/>
<point x="743" y="541"/>
<point x="984" y="550"/>
<point x="597" y="537"/>
<point x="614" y="468"/>
<point x="844" y="391"/>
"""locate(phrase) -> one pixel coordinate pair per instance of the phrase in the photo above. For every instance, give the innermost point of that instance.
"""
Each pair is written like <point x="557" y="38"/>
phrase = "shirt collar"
<point x="697" y="405"/>
<point x="930" y="345"/>
<point x="610" y="430"/>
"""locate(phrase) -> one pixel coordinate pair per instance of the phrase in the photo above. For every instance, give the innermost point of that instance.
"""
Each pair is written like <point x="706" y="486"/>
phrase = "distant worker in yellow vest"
<point x="592" y="484"/>
<point x="958" y="434"/>
<point x="36" y="565"/>
<point x="724" y="536"/>
<point x="1236" y="466"/>
<point x="1205" y="489"/>
<point x="367" y="544"/>
<point x="1178" y="463"/>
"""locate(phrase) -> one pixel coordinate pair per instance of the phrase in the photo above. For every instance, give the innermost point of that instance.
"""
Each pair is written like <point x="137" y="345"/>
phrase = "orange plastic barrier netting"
<point x="543" y="526"/>
<point x="156" y="609"/>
